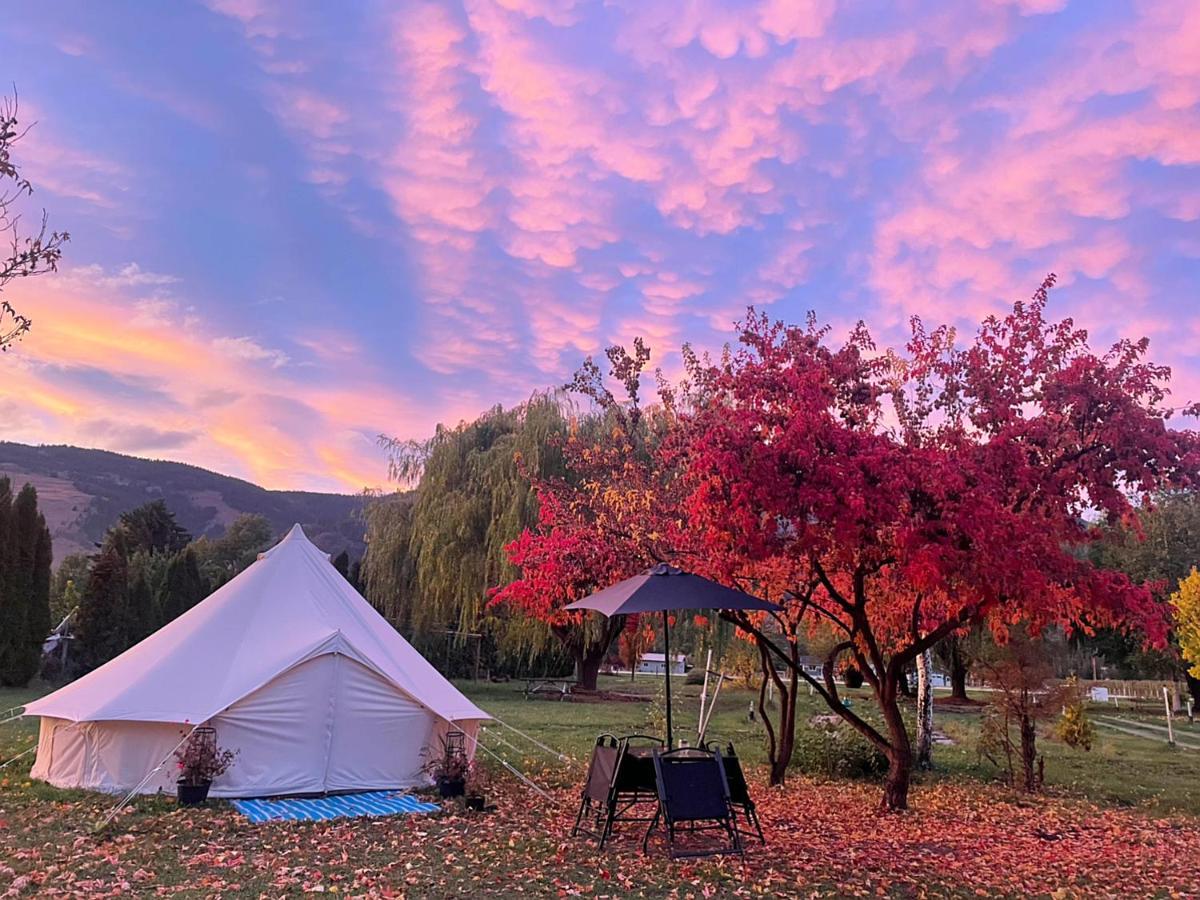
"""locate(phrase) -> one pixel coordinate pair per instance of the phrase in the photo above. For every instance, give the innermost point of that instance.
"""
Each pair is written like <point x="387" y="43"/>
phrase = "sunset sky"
<point x="296" y="226"/>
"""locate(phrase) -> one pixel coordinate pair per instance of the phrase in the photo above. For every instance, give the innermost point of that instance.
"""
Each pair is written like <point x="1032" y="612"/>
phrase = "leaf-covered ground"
<point x="824" y="839"/>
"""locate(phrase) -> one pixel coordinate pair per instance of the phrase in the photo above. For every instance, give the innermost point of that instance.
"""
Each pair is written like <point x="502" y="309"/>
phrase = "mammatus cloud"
<point x="461" y="200"/>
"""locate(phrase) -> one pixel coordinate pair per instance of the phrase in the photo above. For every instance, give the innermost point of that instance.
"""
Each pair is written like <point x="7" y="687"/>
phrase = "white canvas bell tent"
<point x="293" y="669"/>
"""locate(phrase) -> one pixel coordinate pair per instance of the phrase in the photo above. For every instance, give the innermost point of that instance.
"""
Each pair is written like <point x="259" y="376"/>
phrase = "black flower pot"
<point x="452" y="787"/>
<point x="192" y="794"/>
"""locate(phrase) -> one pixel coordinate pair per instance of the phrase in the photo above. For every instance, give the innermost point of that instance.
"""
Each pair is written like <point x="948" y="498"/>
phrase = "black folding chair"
<point x="739" y="791"/>
<point x="619" y="780"/>
<point x="692" y="789"/>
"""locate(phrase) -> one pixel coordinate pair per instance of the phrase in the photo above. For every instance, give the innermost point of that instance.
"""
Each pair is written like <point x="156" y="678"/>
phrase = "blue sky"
<point x="296" y="226"/>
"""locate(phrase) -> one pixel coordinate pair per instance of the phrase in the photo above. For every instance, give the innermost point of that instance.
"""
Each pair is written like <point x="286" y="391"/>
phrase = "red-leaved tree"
<point x="895" y="498"/>
<point x="927" y="490"/>
<point x="595" y="527"/>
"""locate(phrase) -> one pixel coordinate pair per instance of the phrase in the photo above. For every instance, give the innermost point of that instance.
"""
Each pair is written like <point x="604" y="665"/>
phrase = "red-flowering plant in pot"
<point x="199" y="761"/>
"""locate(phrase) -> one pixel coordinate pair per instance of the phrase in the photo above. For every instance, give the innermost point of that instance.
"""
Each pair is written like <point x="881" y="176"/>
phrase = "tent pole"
<point x="667" y="674"/>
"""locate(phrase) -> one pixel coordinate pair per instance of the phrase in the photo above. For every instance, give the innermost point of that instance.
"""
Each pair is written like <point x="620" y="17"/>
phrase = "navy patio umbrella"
<point x="661" y="589"/>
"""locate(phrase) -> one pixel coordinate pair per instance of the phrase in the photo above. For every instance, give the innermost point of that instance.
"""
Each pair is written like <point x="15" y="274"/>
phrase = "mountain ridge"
<point x="83" y="490"/>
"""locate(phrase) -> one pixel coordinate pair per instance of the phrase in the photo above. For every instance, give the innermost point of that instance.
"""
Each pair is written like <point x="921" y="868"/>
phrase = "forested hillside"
<point x="82" y="492"/>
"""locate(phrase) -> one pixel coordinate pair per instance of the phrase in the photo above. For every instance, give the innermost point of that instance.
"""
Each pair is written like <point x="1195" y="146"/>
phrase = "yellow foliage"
<point x="1186" y="601"/>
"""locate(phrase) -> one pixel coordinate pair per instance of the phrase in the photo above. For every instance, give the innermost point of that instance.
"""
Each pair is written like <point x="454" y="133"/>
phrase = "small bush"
<point x="1075" y="729"/>
<point x="696" y="676"/>
<point x="837" y="751"/>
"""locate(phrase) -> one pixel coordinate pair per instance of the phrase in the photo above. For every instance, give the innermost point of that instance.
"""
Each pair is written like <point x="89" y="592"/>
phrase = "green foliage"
<point x="837" y="751"/>
<point x="152" y="528"/>
<point x="1161" y="547"/>
<point x="183" y="586"/>
<point x="220" y="559"/>
<point x="145" y="575"/>
<point x="66" y="586"/>
<point x="341" y="562"/>
<point x="434" y="552"/>
<point x="100" y="625"/>
<point x="24" y="584"/>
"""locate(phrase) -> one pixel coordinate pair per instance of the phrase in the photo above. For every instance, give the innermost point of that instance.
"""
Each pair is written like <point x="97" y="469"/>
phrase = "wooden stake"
<point x="703" y="695"/>
<point x="711" y="707"/>
<point x="1170" y="729"/>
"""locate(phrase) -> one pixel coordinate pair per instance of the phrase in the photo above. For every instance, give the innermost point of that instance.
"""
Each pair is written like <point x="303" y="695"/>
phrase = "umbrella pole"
<point x="667" y="675"/>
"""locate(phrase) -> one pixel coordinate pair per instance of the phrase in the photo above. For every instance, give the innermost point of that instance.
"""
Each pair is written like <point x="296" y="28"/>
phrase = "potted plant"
<point x="449" y="772"/>
<point x="476" y="789"/>
<point x="199" y="760"/>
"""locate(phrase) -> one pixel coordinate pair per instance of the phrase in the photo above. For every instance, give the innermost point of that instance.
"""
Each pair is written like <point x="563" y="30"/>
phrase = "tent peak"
<point x="295" y="535"/>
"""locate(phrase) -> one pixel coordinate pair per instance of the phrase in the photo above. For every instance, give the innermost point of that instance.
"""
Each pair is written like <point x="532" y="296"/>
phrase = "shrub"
<point x="1074" y="728"/>
<point x="837" y="751"/>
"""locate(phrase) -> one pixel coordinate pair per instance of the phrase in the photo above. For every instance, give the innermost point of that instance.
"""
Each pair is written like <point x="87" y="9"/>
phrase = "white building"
<point x="654" y="663"/>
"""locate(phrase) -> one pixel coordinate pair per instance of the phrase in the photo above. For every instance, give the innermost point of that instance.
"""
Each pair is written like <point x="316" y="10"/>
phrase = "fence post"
<point x="1167" y="703"/>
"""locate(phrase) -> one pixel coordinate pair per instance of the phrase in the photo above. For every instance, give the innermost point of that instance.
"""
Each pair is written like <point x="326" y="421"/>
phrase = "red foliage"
<point x="893" y="497"/>
<point x="927" y="490"/>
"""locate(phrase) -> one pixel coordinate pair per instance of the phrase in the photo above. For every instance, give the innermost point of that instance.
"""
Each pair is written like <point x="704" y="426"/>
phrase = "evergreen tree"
<point x="10" y="607"/>
<point x="100" y="627"/>
<point x="25" y="601"/>
<point x="152" y="528"/>
<point x="141" y="609"/>
<point x="341" y="562"/>
<point x="184" y="587"/>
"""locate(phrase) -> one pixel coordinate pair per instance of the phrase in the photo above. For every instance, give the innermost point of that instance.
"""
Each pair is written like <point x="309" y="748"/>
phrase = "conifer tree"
<point x="184" y="587"/>
<point x="24" y="585"/>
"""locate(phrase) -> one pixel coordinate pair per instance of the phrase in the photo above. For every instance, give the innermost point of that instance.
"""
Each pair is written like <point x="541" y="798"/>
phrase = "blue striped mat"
<point x="319" y="809"/>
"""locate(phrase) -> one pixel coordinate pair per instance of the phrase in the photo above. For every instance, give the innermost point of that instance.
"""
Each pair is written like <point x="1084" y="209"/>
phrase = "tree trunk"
<point x="780" y="743"/>
<point x="587" y="669"/>
<point x="787" y="727"/>
<point x="925" y="710"/>
<point x="1193" y="684"/>
<point x="1029" y="754"/>
<point x="899" y="752"/>
<point x="958" y="674"/>
<point x="905" y="686"/>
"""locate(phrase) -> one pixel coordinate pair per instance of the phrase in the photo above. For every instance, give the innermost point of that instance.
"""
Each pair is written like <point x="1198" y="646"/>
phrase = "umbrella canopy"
<point x="661" y="589"/>
<point x="664" y="588"/>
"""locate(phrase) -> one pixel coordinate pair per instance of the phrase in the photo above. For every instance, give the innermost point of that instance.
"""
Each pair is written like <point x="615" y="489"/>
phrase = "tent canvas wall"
<point x="292" y="668"/>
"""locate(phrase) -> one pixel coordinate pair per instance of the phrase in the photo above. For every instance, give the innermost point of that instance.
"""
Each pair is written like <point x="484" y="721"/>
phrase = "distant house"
<point x="655" y="663"/>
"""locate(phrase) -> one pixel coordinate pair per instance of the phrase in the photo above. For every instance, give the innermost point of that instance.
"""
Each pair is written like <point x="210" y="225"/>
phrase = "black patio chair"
<point x="692" y="789"/>
<point x="739" y="791"/>
<point x="620" y="778"/>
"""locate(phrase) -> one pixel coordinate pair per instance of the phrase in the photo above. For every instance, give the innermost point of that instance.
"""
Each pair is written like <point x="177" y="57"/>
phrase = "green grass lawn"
<point x="1120" y="769"/>
<point x="45" y="833"/>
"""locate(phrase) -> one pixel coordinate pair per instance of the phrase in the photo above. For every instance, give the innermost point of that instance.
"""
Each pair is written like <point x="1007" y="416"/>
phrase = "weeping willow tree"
<point x="434" y="551"/>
